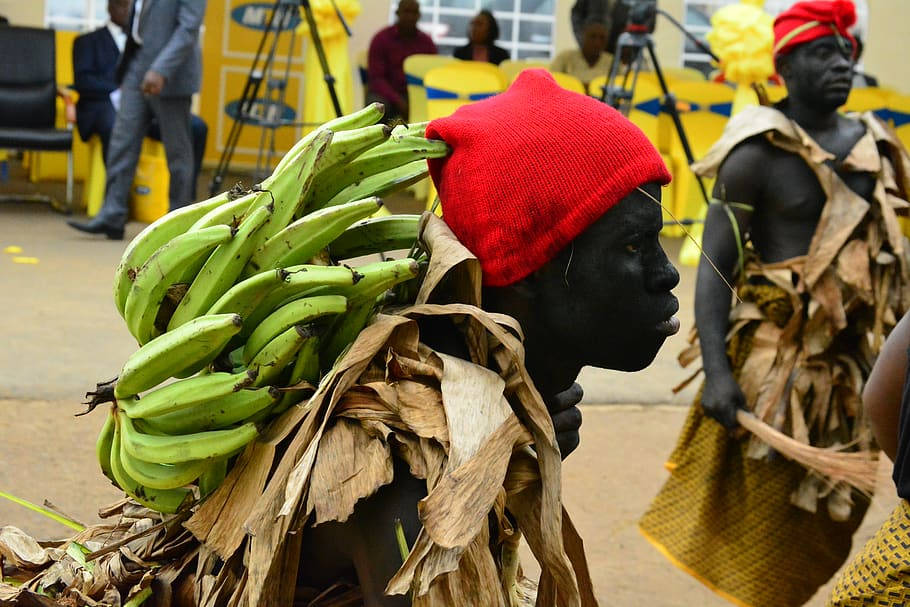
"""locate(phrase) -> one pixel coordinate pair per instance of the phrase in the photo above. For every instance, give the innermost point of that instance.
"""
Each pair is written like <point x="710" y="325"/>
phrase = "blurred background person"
<point x="389" y="48"/>
<point x="158" y="72"/>
<point x="95" y="57"/>
<point x="588" y="61"/>
<point x="482" y="33"/>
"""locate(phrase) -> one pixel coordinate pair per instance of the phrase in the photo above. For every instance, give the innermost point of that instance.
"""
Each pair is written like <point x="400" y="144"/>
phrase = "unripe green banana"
<point x="381" y="184"/>
<point x="166" y="449"/>
<point x="103" y="444"/>
<point x="371" y="114"/>
<point x="184" y="394"/>
<point x="301" y="240"/>
<point x="216" y="413"/>
<point x="377" y="278"/>
<point x="162" y="476"/>
<point x="298" y="312"/>
<point x="348" y="145"/>
<point x="232" y="213"/>
<point x="153" y="237"/>
<point x="384" y="157"/>
<point x="221" y="269"/>
<point x="300" y="280"/>
<point x="306" y="369"/>
<point x="271" y="360"/>
<point x="376" y="235"/>
<point x="197" y="341"/>
<point x="165" y="267"/>
<point x="292" y="185"/>
<point x="167" y="501"/>
<point x="345" y="331"/>
<point x="415" y="129"/>
<point x="213" y="476"/>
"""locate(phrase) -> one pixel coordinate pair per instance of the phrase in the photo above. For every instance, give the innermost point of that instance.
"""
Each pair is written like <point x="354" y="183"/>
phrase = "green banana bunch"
<point x="165" y="267"/>
<point x="185" y="393"/>
<point x="168" y="449"/>
<point x="297" y="312"/>
<point x="153" y="237"/>
<point x="197" y="341"/>
<point x="301" y="240"/>
<point x="221" y="269"/>
<point x="376" y="235"/>
<point x="239" y="299"/>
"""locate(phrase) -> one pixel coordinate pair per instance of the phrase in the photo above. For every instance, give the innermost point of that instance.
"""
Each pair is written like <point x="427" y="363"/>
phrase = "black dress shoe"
<point x="97" y="227"/>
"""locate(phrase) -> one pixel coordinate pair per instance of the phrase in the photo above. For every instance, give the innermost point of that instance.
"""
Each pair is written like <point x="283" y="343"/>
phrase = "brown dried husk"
<point x="811" y="354"/>
<point x="463" y="426"/>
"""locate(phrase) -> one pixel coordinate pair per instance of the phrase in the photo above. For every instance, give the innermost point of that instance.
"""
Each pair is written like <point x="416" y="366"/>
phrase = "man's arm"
<point x="183" y="39"/>
<point x="884" y="389"/>
<point x="739" y="181"/>
<point x="87" y="78"/>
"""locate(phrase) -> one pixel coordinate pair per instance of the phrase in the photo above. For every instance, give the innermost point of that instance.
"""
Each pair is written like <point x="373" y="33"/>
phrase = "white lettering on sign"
<point x="253" y="16"/>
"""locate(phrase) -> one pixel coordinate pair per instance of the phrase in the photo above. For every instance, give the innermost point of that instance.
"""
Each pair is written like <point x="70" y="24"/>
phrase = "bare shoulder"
<point x="744" y="171"/>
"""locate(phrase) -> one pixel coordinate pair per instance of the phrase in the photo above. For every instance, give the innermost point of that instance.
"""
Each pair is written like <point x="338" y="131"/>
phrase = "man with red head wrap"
<point x="803" y="222"/>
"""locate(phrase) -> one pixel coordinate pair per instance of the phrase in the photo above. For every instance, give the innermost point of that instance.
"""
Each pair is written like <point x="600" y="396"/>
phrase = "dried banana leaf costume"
<point x="756" y="528"/>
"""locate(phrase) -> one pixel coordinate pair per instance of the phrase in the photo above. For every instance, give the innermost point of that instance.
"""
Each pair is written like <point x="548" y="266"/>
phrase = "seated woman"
<point x="590" y="59"/>
<point x="482" y="34"/>
<point x="565" y="230"/>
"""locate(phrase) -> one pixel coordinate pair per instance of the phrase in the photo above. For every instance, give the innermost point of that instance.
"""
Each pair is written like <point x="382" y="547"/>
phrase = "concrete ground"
<point x="60" y="334"/>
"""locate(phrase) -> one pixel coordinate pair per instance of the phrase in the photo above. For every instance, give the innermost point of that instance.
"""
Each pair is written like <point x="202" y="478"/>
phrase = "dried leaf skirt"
<point x="880" y="573"/>
<point x="738" y="519"/>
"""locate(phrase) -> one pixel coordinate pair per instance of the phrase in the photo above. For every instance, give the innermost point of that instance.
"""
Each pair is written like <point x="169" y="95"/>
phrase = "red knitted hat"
<point x="807" y="21"/>
<point x="531" y="169"/>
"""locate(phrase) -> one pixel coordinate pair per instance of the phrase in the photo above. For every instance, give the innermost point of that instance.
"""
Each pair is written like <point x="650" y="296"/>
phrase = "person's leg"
<point x="122" y="156"/>
<point x="104" y="126"/>
<point x="173" y="115"/>
<point x="199" y="132"/>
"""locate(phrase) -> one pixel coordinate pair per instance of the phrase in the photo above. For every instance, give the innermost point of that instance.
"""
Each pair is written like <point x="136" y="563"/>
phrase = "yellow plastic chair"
<point x="704" y="109"/>
<point x="775" y="92"/>
<point x="451" y="86"/>
<point x="568" y="82"/>
<point x="415" y="68"/>
<point x="485" y="68"/>
<point x="683" y="74"/>
<point x="512" y="67"/>
<point x="596" y="86"/>
<point x="869" y="100"/>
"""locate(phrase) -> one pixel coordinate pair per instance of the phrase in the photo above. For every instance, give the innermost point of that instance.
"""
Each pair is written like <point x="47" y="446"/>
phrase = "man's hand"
<point x="152" y="83"/>
<point x="721" y="399"/>
<point x="566" y="418"/>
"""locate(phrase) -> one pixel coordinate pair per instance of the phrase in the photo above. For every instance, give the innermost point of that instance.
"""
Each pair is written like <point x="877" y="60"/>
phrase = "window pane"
<point x="454" y="26"/>
<point x="101" y="15"/>
<point x="537" y="7"/>
<point x="446" y="49"/>
<point x="499" y="5"/>
<point x="505" y="28"/>
<point x="74" y="9"/>
<point x="533" y="54"/>
<point x="458" y="3"/>
<point x="538" y="32"/>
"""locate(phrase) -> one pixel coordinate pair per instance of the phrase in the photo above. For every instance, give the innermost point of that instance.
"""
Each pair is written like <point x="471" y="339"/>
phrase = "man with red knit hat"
<point x="565" y="230"/>
<point x="803" y="222"/>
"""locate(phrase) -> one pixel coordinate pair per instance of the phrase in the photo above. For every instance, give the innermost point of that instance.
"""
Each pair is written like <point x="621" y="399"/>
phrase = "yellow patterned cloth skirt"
<point x="727" y="520"/>
<point x="880" y="573"/>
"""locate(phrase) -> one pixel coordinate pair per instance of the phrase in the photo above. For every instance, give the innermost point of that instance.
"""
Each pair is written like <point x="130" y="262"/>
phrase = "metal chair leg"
<point x="69" y="181"/>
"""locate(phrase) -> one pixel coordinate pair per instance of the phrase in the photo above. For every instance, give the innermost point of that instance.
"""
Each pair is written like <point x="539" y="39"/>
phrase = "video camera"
<point x="641" y="15"/>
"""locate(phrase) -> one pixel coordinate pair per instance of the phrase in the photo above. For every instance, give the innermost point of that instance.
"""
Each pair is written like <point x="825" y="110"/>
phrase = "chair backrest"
<point x="704" y="109"/>
<point x="361" y="59"/>
<point x="64" y="41"/>
<point x="569" y="82"/>
<point x="451" y="86"/>
<point x="775" y="92"/>
<point x="685" y="74"/>
<point x="512" y="67"/>
<point x="415" y="68"/>
<point x="899" y="114"/>
<point x="869" y="100"/>
<point x="28" y="86"/>
<point x="486" y="68"/>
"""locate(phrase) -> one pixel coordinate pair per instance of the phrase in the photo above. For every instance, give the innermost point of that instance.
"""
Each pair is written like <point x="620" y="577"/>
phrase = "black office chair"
<point x="28" y="97"/>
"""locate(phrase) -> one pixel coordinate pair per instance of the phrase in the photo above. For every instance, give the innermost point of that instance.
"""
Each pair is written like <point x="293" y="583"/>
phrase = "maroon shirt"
<point x="385" y="66"/>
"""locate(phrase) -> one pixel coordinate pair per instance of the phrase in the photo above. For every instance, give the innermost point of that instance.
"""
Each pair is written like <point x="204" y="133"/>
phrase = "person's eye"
<point x="633" y="247"/>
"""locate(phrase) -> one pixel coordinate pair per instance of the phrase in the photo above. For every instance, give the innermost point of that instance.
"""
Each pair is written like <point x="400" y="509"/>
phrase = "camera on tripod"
<point x="641" y="15"/>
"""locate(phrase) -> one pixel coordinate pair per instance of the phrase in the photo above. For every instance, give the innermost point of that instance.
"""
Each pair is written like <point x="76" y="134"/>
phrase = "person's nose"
<point x="663" y="277"/>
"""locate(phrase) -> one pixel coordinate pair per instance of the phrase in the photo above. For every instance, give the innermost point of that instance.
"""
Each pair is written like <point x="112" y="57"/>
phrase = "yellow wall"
<point x="886" y="47"/>
<point x="23" y="13"/>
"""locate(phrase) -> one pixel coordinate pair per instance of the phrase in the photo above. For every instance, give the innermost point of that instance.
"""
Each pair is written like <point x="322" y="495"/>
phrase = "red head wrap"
<point x="807" y="21"/>
<point x="531" y="169"/>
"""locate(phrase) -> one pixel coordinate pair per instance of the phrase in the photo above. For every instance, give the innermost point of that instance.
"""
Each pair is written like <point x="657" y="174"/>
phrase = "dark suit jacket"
<point x="170" y="44"/>
<point x="94" y="65"/>
<point x="497" y="53"/>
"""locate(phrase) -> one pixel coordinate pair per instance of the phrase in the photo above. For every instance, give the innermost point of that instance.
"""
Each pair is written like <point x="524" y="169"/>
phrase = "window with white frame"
<point x="526" y="27"/>
<point x="698" y="22"/>
<point x="75" y="15"/>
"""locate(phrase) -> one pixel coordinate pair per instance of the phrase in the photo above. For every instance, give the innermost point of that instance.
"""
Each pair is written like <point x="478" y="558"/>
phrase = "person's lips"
<point x="670" y="325"/>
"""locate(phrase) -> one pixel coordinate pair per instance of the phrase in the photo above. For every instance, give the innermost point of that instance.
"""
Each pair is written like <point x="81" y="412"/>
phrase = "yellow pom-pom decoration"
<point x="327" y="21"/>
<point x="742" y="36"/>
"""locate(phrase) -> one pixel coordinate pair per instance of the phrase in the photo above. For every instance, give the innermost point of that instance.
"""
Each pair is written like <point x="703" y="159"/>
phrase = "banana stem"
<point x="140" y="598"/>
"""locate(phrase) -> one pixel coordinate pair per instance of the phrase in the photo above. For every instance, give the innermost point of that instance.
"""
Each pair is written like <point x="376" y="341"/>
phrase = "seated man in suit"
<point x="95" y="57"/>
